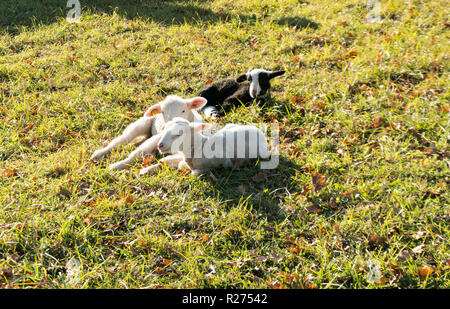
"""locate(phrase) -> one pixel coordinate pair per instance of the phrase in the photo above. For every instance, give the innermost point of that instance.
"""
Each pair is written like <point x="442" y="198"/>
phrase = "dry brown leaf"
<point x="166" y="262"/>
<point x="9" y="173"/>
<point x="89" y="220"/>
<point x="352" y="54"/>
<point x="129" y="199"/>
<point x="294" y="250"/>
<point x="205" y="237"/>
<point x="298" y="99"/>
<point x="314" y="209"/>
<point x="318" y="181"/>
<point x="147" y="161"/>
<point x="376" y="240"/>
<point x="425" y="271"/>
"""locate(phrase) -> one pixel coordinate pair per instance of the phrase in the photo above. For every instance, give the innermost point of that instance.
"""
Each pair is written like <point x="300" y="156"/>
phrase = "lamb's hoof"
<point x="97" y="155"/>
<point x="117" y="166"/>
<point x="149" y="169"/>
<point x="197" y="173"/>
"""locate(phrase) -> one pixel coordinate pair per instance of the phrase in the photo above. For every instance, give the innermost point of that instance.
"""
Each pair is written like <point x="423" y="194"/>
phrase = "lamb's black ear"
<point x="276" y="73"/>
<point x="241" y="78"/>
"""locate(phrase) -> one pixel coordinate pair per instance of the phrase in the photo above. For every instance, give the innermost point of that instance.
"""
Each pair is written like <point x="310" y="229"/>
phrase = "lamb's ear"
<point x="200" y="126"/>
<point x="155" y="109"/>
<point x="275" y="74"/>
<point x="196" y="103"/>
<point x="241" y="78"/>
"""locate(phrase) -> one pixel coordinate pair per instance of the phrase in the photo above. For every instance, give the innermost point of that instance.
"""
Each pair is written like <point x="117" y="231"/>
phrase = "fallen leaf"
<point x="352" y="54"/>
<point x="205" y="238"/>
<point x="6" y="273"/>
<point x="275" y="284"/>
<point x="129" y="199"/>
<point x="314" y="209"/>
<point x="376" y="240"/>
<point x="305" y="189"/>
<point x="147" y="161"/>
<point x="295" y="59"/>
<point x="89" y="220"/>
<point x="294" y="250"/>
<point x="209" y="81"/>
<point x="377" y="122"/>
<point x="298" y="99"/>
<point x="425" y="271"/>
<point x="397" y="269"/>
<point x="9" y="173"/>
<point x="444" y="109"/>
<point x="381" y="281"/>
<point x="318" y="181"/>
<point x="166" y="262"/>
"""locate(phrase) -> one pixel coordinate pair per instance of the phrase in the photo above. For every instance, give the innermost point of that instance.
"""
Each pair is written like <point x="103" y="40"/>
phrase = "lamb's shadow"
<point x="263" y="190"/>
<point x="167" y="12"/>
<point x="298" y="22"/>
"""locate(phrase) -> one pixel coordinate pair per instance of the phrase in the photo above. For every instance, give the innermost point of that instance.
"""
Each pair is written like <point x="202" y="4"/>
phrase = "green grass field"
<point x="360" y="198"/>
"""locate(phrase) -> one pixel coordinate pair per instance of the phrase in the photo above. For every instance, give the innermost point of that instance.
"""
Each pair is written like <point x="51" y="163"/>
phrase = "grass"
<point x="360" y="198"/>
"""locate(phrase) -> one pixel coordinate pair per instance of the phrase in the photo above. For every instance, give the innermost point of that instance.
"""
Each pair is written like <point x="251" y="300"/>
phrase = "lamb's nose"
<point x="160" y="145"/>
<point x="254" y="93"/>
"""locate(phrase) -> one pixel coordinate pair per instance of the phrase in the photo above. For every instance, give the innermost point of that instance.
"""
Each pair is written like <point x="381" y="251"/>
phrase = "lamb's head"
<point x="259" y="81"/>
<point x="178" y="135"/>
<point x="174" y="106"/>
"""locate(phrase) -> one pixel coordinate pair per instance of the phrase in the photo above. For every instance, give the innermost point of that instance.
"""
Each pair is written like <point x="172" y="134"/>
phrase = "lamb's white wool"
<point x="150" y="126"/>
<point x="210" y="112"/>
<point x="200" y="152"/>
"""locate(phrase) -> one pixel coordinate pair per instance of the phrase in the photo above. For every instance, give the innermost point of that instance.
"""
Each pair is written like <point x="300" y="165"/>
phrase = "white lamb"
<point x="151" y="126"/>
<point x="199" y="152"/>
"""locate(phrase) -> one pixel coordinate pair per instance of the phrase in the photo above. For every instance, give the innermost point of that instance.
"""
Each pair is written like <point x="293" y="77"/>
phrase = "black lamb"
<point x="226" y="93"/>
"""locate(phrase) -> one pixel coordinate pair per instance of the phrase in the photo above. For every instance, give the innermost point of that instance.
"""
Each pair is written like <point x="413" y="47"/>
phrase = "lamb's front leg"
<point x="170" y="161"/>
<point x="146" y="147"/>
<point x="140" y="127"/>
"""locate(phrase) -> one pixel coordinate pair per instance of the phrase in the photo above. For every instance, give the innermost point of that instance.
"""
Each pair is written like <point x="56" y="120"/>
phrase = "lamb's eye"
<point x="183" y="111"/>
<point x="249" y="78"/>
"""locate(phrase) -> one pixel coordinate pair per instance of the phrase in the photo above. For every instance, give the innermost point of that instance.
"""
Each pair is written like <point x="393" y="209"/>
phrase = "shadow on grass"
<point x="168" y="12"/>
<point x="263" y="190"/>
